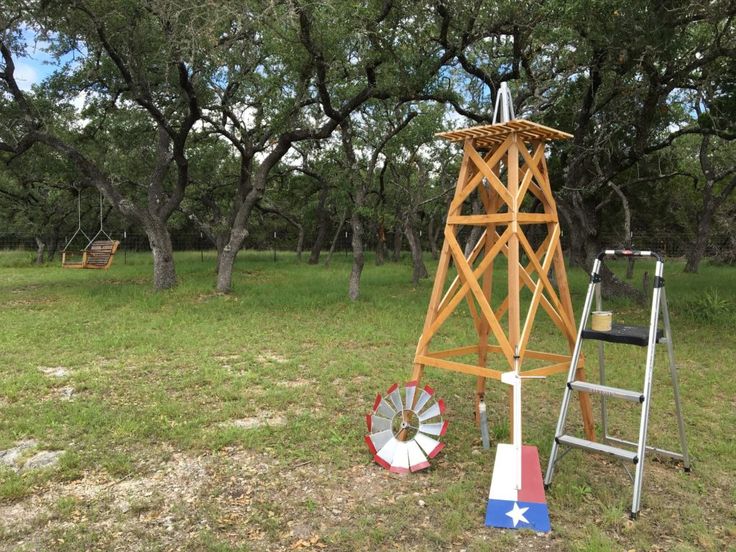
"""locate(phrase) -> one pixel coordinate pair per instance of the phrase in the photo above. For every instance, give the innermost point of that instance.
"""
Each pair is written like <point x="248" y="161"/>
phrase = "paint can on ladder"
<point x="601" y="321"/>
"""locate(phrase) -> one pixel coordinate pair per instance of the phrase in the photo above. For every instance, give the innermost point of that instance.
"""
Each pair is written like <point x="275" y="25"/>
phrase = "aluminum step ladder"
<point x="627" y="451"/>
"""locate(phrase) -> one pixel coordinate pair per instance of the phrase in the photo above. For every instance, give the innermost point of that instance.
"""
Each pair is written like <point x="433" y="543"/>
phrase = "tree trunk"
<point x="226" y="260"/>
<point x="381" y="245"/>
<point x="711" y="203"/>
<point x="335" y="237"/>
<point x="225" y="264"/>
<point x="220" y="241"/>
<point x="53" y="247"/>
<point x="300" y="242"/>
<point x="419" y="270"/>
<point x="398" y="235"/>
<point x="433" y="235"/>
<point x="318" y="244"/>
<point x="627" y="228"/>
<point x="356" y="225"/>
<point x="380" y="252"/>
<point x="630" y="267"/>
<point x="612" y="286"/>
<point x="323" y="220"/>
<point x="40" y="248"/>
<point x="164" y="272"/>
<point x="584" y="248"/>
<point x="696" y="251"/>
<point x="476" y="231"/>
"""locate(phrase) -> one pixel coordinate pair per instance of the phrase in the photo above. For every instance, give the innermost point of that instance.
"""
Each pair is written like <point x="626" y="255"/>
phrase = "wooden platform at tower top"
<point x="502" y="165"/>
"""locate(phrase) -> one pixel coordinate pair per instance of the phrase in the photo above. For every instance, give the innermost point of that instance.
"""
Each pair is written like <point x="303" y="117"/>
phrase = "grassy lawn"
<point x="198" y="421"/>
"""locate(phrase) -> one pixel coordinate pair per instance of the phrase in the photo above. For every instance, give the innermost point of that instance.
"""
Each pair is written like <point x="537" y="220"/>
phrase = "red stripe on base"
<point x="394" y="469"/>
<point x="377" y="402"/>
<point x="382" y="462"/>
<point x="393" y="388"/>
<point x="368" y="421"/>
<point x="420" y="466"/>
<point x="532" y="486"/>
<point x="436" y="450"/>
<point x="429" y="390"/>
<point x="369" y="442"/>
<point x="411" y="383"/>
<point x="441" y="404"/>
<point x="444" y="428"/>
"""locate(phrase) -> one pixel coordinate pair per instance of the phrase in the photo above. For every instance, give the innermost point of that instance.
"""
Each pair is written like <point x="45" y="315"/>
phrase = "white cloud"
<point x="25" y="75"/>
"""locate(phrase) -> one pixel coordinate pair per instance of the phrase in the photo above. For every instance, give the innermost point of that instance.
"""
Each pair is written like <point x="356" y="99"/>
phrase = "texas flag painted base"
<point x="522" y="509"/>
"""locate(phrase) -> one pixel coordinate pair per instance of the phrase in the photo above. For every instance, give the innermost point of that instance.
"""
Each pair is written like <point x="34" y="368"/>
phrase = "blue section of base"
<point x="537" y="515"/>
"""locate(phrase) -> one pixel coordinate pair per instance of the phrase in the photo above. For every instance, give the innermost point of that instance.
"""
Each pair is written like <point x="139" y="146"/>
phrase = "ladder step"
<point x="619" y="333"/>
<point x="571" y="441"/>
<point x="586" y="387"/>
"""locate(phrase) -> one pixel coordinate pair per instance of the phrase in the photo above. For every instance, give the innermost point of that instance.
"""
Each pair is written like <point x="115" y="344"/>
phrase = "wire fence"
<point x="276" y="241"/>
<point x="285" y="240"/>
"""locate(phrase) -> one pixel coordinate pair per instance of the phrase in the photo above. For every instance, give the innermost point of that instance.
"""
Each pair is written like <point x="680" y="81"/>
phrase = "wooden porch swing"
<point x="97" y="254"/>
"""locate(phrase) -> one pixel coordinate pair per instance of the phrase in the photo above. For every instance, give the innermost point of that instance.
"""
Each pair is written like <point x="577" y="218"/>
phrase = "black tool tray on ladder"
<point x="619" y="333"/>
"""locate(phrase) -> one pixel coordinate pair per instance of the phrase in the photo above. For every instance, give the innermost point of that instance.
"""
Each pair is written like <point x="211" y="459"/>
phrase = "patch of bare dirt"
<point x="204" y="297"/>
<point x="155" y="506"/>
<point x="271" y="357"/>
<point x="234" y="495"/>
<point x="227" y="358"/>
<point x="296" y="383"/>
<point x="55" y="371"/>
<point x="25" y="303"/>
<point x="265" y="419"/>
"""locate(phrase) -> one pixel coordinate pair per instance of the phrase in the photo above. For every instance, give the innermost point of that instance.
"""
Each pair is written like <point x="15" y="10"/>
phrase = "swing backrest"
<point x="99" y="254"/>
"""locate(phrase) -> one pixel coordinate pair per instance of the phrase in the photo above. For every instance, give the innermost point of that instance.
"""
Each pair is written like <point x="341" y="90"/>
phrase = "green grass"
<point x="157" y="377"/>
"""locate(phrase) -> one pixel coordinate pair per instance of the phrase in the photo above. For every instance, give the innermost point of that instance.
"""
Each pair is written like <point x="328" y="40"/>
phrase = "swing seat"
<point x="98" y="256"/>
<point x="72" y="259"/>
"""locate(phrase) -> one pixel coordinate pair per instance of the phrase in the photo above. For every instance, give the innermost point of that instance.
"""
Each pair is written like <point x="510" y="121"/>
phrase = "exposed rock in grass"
<point x="17" y="459"/>
<point x="66" y="393"/>
<point x="11" y="456"/>
<point x="43" y="459"/>
<point x="263" y="420"/>
<point x="55" y="371"/>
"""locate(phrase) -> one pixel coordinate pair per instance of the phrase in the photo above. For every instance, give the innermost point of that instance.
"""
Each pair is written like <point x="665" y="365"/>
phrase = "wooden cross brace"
<point x="502" y="177"/>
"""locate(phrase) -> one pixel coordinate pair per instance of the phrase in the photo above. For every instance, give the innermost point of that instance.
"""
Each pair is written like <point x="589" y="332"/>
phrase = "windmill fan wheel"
<point x="404" y="428"/>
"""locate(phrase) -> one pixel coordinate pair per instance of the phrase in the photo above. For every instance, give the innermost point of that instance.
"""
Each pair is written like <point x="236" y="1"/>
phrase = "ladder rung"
<point x="655" y="450"/>
<point x="597" y="389"/>
<point x="597" y="447"/>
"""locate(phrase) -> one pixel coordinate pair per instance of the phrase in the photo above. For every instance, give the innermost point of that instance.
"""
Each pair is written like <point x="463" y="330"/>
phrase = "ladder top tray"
<point x="619" y="333"/>
<point x="491" y="135"/>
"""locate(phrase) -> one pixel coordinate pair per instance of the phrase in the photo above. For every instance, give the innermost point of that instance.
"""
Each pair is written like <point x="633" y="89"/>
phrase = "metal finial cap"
<point x="504" y="110"/>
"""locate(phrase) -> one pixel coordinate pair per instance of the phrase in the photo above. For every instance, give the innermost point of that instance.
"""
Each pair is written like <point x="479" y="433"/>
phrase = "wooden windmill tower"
<point x="504" y="166"/>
